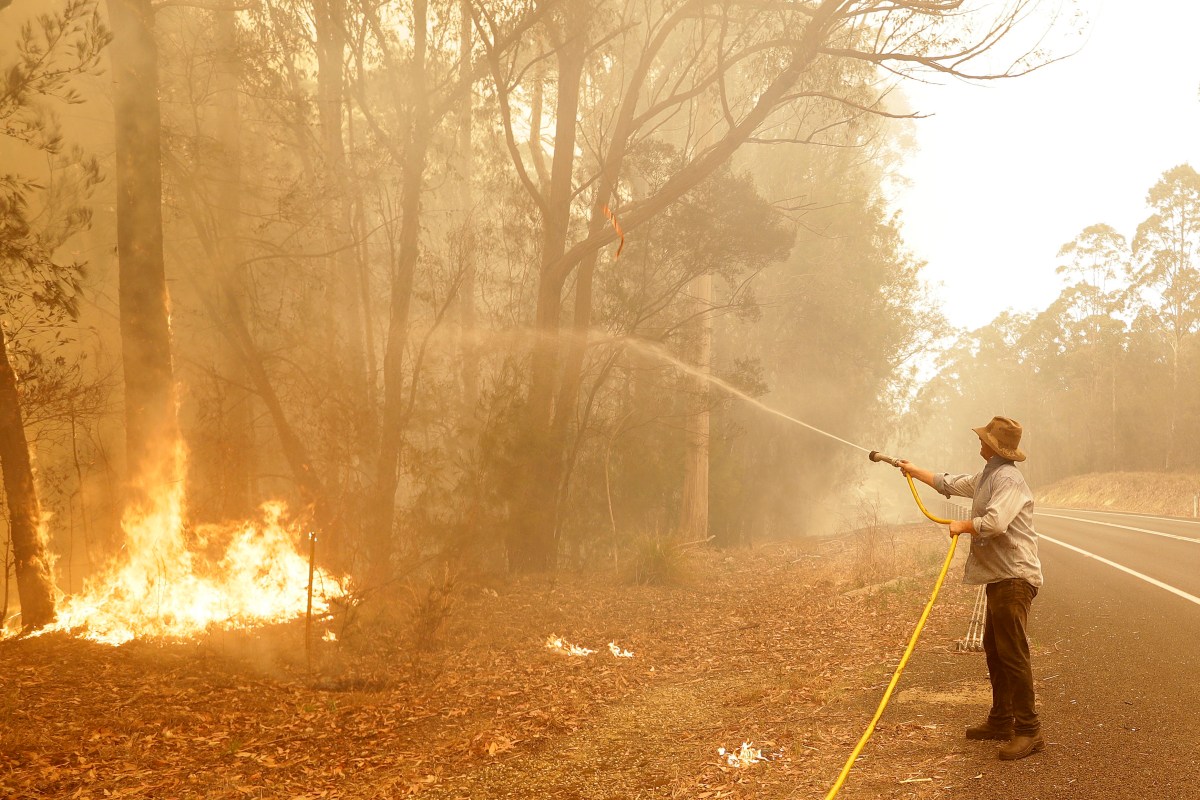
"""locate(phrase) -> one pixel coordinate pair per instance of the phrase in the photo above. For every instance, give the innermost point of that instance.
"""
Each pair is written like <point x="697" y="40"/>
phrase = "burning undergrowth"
<point x="174" y="581"/>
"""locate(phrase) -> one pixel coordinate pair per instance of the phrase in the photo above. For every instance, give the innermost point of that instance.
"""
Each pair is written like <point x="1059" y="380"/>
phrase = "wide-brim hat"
<point x="1003" y="435"/>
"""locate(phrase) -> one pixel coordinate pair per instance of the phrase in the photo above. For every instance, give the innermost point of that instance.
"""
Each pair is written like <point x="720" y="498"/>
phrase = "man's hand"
<point x="911" y="470"/>
<point x="958" y="526"/>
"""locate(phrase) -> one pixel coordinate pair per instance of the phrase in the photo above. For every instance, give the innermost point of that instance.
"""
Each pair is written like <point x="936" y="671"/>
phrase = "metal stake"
<point x="312" y="555"/>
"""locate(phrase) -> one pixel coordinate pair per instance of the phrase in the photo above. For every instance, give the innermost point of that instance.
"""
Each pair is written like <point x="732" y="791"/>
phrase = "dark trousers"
<point x="1007" y="650"/>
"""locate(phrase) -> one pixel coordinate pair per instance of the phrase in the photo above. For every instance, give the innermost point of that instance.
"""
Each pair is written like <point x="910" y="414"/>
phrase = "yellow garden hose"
<point x="912" y="642"/>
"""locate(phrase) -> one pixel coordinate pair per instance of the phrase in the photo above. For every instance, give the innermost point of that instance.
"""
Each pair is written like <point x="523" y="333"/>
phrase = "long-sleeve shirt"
<point x="1005" y="545"/>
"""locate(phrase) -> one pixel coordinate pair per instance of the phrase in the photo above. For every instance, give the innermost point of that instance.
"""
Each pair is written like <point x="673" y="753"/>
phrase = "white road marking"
<point x="1122" y="527"/>
<point x="1176" y="520"/>
<point x="1125" y="569"/>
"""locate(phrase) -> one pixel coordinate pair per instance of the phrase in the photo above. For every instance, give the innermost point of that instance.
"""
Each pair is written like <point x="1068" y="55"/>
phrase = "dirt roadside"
<point x="771" y="647"/>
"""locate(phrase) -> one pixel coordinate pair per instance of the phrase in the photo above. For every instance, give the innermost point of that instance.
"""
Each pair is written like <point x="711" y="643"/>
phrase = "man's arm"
<point x="911" y="470"/>
<point x="943" y="483"/>
<point x="961" y="485"/>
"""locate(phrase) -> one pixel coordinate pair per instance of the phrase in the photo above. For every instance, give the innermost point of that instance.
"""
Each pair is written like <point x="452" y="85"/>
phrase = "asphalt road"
<point x="1121" y="712"/>
<point x="1116" y="646"/>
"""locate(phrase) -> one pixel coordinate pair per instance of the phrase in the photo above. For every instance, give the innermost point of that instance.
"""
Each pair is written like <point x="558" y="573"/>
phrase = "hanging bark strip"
<point x="611" y="217"/>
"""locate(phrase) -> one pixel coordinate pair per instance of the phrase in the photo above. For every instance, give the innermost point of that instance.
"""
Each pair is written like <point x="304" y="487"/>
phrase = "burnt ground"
<point x="769" y="646"/>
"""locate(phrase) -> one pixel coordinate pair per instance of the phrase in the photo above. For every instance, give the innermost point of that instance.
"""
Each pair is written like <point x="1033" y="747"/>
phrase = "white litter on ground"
<point x="561" y="645"/>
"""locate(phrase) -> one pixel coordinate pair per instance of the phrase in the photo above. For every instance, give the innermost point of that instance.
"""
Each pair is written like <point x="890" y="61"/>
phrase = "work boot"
<point x="988" y="730"/>
<point x="1021" y="746"/>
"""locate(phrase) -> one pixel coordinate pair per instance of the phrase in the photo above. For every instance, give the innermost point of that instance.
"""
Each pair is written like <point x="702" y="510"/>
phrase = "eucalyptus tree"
<point x="201" y="74"/>
<point x="1097" y="266"/>
<point x="1005" y="367"/>
<point x="258" y="170"/>
<point x="151" y="427"/>
<point x="39" y="291"/>
<point x="426" y="74"/>
<point x="638" y="69"/>
<point x="844" y="319"/>
<point x="1166" y="277"/>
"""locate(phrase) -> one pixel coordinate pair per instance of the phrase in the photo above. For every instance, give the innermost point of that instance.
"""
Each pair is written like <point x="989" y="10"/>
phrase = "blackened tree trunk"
<point x="151" y="428"/>
<point x="237" y="436"/>
<point x="35" y="586"/>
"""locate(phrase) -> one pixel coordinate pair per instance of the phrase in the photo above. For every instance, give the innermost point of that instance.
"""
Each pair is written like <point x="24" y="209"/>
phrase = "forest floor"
<point x="778" y="646"/>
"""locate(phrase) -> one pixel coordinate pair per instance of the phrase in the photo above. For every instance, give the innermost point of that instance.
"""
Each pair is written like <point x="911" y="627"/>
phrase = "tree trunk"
<point x="225" y="306"/>
<point x="693" y="510"/>
<point x="311" y="487"/>
<point x="465" y="156"/>
<point x="35" y="585"/>
<point x="1112" y="395"/>
<point x="345" y="321"/>
<point x="237" y="447"/>
<point x="151" y="428"/>
<point x="532" y="541"/>
<point x="1173" y="423"/>
<point x="387" y="474"/>
<point x="697" y="424"/>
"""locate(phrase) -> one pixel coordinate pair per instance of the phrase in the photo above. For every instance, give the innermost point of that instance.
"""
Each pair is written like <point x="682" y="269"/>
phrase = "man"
<point x="1004" y="556"/>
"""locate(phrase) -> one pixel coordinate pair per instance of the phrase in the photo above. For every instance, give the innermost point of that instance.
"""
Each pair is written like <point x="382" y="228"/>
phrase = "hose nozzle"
<point x="875" y="455"/>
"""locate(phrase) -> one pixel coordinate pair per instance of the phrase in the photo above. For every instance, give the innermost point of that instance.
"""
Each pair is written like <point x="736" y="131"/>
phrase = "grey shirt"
<point x="1005" y="545"/>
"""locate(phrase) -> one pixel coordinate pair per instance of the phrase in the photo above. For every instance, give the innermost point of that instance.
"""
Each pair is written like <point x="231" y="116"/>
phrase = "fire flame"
<point x="747" y="756"/>
<point x="562" y="646"/>
<point x="616" y="650"/>
<point x="175" y="583"/>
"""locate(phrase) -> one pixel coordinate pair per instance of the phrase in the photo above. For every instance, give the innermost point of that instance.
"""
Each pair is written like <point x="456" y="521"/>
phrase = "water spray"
<point x="876" y="456"/>
<point x="661" y="353"/>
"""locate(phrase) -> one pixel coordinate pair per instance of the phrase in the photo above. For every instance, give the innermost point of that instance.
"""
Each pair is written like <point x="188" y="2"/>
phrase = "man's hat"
<point x="1003" y="435"/>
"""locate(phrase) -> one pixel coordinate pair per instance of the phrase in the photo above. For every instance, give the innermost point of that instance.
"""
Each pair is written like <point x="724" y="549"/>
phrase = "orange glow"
<point x="173" y="582"/>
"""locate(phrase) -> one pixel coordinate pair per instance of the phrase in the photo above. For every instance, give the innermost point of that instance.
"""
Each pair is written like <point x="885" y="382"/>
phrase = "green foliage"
<point x="656" y="561"/>
<point x="49" y="53"/>
<point x="842" y="315"/>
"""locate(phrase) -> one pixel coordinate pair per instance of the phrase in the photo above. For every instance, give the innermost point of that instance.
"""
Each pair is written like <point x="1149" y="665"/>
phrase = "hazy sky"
<point x="1009" y="171"/>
